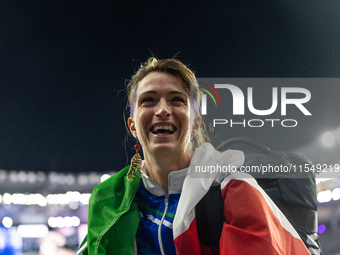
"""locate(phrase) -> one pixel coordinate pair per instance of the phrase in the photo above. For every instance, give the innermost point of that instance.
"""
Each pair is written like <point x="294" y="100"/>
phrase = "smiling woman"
<point x="180" y="75"/>
<point x="149" y="207"/>
<point x="161" y="123"/>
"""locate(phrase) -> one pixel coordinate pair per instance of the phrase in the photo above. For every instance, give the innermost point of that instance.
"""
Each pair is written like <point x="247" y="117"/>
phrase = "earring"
<point x="136" y="164"/>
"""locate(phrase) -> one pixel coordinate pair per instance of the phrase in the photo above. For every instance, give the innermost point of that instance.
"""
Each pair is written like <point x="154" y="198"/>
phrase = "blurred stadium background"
<point x="63" y="66"/>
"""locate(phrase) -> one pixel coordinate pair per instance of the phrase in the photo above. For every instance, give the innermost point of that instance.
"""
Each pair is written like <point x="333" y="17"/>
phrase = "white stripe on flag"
<point x="195" y="188"/>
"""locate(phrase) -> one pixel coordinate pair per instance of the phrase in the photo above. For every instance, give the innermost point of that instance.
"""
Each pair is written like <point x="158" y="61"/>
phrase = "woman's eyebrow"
<point x="173" y="92"/>
<point x="149" y="92"/>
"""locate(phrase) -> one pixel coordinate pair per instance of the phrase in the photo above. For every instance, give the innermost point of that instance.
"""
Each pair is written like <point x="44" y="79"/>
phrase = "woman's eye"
<point x="146" y="100"/>
<point x="178" y="99"/>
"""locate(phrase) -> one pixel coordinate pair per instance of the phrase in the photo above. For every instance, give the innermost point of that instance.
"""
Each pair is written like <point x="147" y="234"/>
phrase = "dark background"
<point x="63" y="66"/>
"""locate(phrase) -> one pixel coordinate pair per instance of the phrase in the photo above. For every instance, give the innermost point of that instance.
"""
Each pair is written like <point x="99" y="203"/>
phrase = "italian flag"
<point x="254" y="225"/>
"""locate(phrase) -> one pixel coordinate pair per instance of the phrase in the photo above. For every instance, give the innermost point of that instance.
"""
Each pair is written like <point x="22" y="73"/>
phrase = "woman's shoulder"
<point x="115" y="186"/>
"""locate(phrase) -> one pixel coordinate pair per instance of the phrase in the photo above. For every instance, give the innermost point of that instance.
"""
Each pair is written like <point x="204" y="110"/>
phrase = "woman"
<point x="149" y="208"/>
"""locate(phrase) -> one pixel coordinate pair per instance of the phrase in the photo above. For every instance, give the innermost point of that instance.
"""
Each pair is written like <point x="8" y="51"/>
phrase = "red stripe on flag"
<point x="251" y="226"/>
<point x="187" y="242"/>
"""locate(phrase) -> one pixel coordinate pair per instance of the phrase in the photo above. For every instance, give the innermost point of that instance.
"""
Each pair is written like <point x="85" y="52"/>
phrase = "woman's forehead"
<point x="158" y="82"/>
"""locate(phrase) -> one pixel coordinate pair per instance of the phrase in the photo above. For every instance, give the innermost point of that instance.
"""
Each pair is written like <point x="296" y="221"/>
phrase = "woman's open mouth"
<point x="163" y="129"/>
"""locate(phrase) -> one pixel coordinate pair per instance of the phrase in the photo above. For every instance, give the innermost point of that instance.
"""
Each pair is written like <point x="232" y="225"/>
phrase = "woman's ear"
<point x="196" y="126"/>
<point x="132" y="127"/>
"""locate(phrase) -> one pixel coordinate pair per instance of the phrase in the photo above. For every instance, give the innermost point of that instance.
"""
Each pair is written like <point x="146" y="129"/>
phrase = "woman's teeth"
<point x="163" y="129"/>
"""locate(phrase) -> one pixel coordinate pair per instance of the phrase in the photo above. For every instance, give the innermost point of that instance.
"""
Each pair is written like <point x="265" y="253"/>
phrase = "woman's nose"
<point x="163" y="108"/>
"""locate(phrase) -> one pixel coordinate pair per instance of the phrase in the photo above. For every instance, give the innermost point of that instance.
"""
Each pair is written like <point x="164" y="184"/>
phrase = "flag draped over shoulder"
<point x="254" y="225"/>
<point x="113" y="216"/>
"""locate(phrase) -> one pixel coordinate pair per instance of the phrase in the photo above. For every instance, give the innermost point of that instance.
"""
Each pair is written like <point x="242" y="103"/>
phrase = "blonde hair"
<point x="178" y="69"/>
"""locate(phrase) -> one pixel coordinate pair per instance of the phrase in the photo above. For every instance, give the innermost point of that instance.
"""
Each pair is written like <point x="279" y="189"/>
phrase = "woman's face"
<point x="161" y="120"/>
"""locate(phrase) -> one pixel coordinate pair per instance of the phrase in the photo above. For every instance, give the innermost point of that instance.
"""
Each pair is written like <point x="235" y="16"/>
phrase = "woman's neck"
<point x="159" y="168"/>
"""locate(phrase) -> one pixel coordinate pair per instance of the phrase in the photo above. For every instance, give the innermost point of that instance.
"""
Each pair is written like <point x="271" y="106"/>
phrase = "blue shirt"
<point x="153" y="202"/>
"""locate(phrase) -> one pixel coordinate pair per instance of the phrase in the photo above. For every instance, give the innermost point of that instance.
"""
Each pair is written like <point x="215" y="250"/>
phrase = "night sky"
<point x="64" y="65"/>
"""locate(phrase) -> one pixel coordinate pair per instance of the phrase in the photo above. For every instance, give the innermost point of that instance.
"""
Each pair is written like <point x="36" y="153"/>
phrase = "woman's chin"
<point x="168" y="149"/>
<point x="163" y="147"/>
